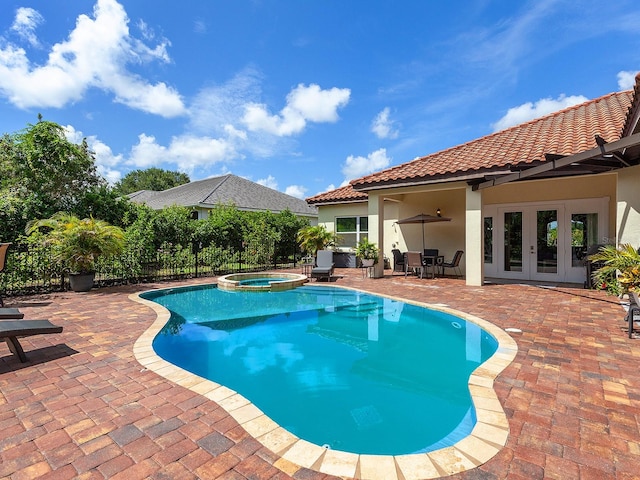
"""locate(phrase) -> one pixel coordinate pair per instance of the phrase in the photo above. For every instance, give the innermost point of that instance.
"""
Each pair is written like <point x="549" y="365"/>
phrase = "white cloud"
<point x="304" y="104"/>
<point x="529" y="111"/>
<point x="199" y="26"/>
<point x="382" y="125"/>
<point x="186" y="152"/>
<point x="355" y="167"/>
<point x="627" y="80"/>
<point x="297" y="191"/>
<point x="95" y="55"/>
<point x="218" y="111"/>
<point x="25" y="23"/>
<point x="105" y="160"/>
<point x="270" y="182"/>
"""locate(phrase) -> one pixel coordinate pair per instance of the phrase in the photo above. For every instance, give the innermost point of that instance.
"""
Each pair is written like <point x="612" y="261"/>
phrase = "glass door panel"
<point x="513" y="242"/>
<point x="488" y="240"/>
<point x="547" y="241"/>
<point x="584" y="234"/>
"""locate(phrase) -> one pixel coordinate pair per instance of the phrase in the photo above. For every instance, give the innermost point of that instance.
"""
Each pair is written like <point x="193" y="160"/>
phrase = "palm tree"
<point x="314" y="238"/>
<point x="77" y="243"/>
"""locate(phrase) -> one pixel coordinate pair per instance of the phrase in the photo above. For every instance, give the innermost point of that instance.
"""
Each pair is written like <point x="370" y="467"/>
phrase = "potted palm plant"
<point x="77" y="244"/>
<point x="368" y="252"/>
<point x="619" y="272"/>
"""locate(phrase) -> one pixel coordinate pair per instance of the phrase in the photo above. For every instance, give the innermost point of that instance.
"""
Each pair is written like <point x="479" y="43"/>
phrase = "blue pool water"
<point x="354" y="371"/>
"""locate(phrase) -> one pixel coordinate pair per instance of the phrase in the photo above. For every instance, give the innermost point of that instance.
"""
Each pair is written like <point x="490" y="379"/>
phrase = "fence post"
<point x="195" y="248"/>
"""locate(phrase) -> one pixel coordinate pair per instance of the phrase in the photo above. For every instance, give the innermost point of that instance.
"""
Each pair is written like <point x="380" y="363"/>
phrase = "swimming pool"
<point x="339" y="368"/>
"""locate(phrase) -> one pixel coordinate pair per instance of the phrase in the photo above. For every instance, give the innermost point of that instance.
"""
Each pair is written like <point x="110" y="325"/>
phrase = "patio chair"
<point x="3" y="256"/>
<point x="413" y="263"/>
<point x="633" y="314"/>
<point x="324" y="265"/>
<point x="10" y="330"/>
<point x="398" y="261"/>
<point x="429" y="255"/>
<point x="454" y="263"/>
<point x="431" y="260"/>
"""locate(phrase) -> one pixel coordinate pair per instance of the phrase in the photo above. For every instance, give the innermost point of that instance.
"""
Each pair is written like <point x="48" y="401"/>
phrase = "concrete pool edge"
<point x="487" y="438"/>
<point x="281" y="281"/>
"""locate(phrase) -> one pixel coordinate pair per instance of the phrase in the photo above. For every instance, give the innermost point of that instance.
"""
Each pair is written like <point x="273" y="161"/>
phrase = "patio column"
<point x="474" y="237"/>
<point x="628" y="214"/>
<point x="376" y="230"/>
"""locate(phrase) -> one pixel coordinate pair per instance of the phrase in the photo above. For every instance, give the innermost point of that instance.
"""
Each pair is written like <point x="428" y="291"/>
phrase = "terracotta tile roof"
<point x="566" y="132"/>
<point x="339" y="195"/>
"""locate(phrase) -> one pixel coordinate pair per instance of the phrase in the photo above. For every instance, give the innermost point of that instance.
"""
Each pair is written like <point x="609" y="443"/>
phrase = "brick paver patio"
<point x="83" y="407"/>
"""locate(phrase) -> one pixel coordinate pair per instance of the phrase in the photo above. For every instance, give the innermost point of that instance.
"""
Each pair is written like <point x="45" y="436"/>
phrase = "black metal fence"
<point x="30" y="269"/>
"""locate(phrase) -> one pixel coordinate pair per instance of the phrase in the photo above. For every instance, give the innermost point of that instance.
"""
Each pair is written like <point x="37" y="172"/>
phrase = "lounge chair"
<point x="454" y="263"/>
<point x="324" y="265"/>
<point x="413" y="262"/>
<point x="398" y="261"/>
<point x="3" y="256"/>
<point x="10" y="314"/>
<point x="10" y="330"/>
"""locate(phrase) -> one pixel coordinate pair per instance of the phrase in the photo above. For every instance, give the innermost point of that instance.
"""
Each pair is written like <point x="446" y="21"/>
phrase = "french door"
<point x="542" y="242"/>
<point x="530" y="243"/>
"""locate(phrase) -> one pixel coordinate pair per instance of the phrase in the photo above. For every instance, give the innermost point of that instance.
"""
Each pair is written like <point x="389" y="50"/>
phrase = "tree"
<point x="224" y="227"/>
<point x="153" y="178"/>
<point x="55" y="169"/>
<point x="41" y="173"/>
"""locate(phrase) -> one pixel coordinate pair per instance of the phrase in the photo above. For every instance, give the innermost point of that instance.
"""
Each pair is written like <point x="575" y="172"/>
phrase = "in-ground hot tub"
<point x="261" y="281"/>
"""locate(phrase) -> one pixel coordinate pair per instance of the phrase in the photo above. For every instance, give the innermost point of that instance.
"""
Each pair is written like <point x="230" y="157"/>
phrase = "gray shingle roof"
<point x="227" y="189"/>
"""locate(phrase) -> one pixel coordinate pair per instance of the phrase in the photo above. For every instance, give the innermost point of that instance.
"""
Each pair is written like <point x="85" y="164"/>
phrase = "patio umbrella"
<point x="423" y="218"/>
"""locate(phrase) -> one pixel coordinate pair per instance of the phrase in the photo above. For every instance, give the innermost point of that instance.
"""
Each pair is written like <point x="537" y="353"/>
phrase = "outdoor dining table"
<point x="432" y="261"/>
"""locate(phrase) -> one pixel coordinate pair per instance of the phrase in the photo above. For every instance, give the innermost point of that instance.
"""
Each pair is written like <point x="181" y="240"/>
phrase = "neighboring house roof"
<point x="141" y="196"/>
<point x="344" y="194"/>
<point x="560" y="134"/>
<point x="227" y="189"/>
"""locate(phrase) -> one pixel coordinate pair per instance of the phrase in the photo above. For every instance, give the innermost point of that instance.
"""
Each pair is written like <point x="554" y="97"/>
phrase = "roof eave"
<point x="338" y="202"/>
<point x="422" y="181"/>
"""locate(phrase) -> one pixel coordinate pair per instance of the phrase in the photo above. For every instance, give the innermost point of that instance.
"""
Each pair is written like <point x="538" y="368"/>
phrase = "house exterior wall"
<point x="447" y="237"/>
<point x="327" y="213"/>
<point x="453" y="199"/>
<point x="628" y="206"/>
<point x="558" y="189"/>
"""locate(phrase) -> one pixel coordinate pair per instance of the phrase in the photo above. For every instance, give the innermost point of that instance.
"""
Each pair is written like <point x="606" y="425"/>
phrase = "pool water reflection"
<point x="354" y="371"/>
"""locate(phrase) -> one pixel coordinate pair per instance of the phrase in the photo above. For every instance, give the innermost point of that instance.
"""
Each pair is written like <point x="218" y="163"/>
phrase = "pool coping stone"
<point x="487" y="438"/>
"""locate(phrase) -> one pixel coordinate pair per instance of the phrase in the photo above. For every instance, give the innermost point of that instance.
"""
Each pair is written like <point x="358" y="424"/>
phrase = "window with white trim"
<point x="350" y="230"/>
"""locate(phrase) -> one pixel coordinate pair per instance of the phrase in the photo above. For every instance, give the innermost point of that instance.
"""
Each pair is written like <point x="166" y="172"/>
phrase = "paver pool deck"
<point x="84" y="407"/>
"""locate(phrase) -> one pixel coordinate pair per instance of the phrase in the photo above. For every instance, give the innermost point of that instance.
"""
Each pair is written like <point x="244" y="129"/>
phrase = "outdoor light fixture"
<point x="438" y="212"/>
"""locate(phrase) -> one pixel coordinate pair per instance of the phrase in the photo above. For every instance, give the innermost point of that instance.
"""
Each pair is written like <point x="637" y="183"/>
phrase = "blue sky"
<point x="302" y="96"/>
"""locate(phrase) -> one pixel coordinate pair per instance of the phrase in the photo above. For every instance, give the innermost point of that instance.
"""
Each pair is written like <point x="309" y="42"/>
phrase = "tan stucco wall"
<point x="327" y="214"/>
<point x="447" y="237"/>
<point x="628" y="206"/>
<point x="592" y="186"/>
